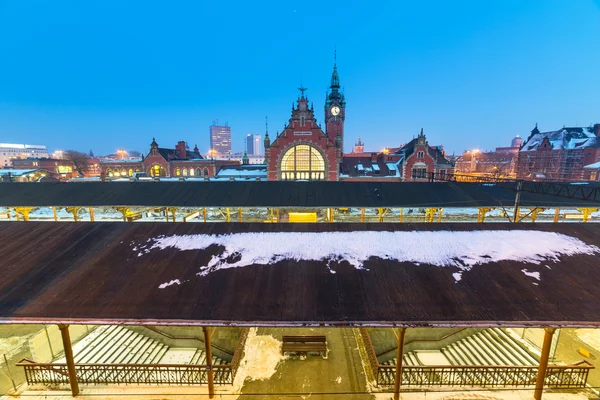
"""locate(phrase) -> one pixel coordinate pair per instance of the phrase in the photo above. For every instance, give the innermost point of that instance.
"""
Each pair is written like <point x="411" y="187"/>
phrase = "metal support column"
<point x="66" y="340"/>
<point x="541" y="376"/>
<point x="210" y="373"/>
<point x="556" y="214"/>
<point x="92" y="214"/>
<point x="399" y="353"/>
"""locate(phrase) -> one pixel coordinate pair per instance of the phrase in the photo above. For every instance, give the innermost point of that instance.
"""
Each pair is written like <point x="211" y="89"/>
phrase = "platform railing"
<point x="557" y="377"/>
<point x="141" y="374"/>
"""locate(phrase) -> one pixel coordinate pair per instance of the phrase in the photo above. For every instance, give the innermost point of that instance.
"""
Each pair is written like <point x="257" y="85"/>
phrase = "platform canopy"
<point x="296" y="194"/>
<point x="301" y="274"/>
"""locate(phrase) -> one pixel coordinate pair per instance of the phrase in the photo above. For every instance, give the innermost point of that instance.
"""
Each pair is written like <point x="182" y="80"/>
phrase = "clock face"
<point x="335" y="110"/>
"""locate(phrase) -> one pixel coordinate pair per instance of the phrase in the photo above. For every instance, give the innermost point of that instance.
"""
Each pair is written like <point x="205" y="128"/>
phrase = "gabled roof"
<point x="565" y="138"/>
<point x="433" y="151"/>
<point x="173" y="154"/>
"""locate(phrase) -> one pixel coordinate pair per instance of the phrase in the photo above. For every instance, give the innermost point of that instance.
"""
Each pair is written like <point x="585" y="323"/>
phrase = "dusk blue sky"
<point x="107" y="74"/>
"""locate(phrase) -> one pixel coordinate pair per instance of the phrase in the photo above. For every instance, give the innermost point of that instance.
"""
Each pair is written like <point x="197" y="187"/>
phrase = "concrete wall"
<point x="568" y="352"/>
<point x="384" y="339"/>
<point x="225" y="338"/>
<point x="46" y="347"/>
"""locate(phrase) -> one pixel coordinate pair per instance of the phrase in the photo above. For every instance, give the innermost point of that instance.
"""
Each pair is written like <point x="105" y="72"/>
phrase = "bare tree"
<point x="78" y="159"/>
<point x="135" y="153"/>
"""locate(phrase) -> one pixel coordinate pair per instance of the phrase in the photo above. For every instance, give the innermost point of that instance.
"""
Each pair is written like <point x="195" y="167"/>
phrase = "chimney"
<point x="597" y="130"/>
<point x="181" y="153"/>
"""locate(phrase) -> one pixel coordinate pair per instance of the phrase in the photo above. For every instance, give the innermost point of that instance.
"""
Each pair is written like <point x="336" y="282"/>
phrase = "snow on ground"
<point x="262" y="354"/>
<point x="462" y="250"/>
<point x="12" y="345"/>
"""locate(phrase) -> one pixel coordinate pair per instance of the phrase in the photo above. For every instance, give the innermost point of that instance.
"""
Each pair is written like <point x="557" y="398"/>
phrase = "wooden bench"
<point x="305" y="345"/>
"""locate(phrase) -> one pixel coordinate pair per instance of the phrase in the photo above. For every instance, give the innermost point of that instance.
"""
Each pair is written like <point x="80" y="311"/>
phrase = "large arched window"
<point x="302" y="162"/>
<point x="157" y="170"/>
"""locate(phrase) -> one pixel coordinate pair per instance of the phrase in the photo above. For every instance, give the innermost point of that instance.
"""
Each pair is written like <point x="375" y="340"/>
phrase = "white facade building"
<point x="10" y="151"/>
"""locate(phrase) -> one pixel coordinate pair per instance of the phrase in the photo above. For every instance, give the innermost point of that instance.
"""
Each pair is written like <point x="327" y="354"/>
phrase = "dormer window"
<point x="420" y="154"/>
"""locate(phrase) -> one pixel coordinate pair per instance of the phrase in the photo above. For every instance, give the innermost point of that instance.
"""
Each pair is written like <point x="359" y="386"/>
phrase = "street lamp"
<point x="122" y="153"/>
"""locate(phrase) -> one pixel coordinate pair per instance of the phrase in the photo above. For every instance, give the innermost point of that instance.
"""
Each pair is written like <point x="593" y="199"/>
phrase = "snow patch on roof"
<point x="461" y="250"/>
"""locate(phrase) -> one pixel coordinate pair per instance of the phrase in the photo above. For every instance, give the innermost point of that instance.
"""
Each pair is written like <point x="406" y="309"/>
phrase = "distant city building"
<point x="560" y="155"/>
<point x="250" y="144"/>
<point x="257" y="147"/>
<point x="253" y="159"/>
<point x="179" y="162"/>
<point x="414" y="161"/>
<point x="359" y="147"/>
<point x="10" y="152"/>
<point x="57" y="168"/>
<point x="501" y="163"/>
<point x="253" y="144"/>
<point x="220" y="140"/>
<point x="516" y="142"/>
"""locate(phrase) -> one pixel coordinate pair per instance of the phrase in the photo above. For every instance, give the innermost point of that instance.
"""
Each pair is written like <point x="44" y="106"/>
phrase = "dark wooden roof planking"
<point x="276" y="194"/>
<point x="88" y="273"/>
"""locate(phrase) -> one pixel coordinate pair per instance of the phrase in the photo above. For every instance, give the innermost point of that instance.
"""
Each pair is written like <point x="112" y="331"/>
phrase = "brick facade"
<point x="559" y="155"/>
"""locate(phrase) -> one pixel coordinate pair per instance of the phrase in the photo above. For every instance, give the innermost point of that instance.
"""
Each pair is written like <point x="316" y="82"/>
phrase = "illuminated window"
<point x="191" y="171"/>
<point x="123" y="172"/>
<point x="185" y="172"/>
<point x="157" y="170"/>
<point x="302" y="162"/>
<point x="109" y="172"/>
<point x="130" y="172"/>
<point x="177" y="172"/>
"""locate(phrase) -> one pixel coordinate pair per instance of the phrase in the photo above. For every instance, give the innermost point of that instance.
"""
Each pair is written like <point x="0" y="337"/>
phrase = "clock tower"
<point x="335" y="110"/>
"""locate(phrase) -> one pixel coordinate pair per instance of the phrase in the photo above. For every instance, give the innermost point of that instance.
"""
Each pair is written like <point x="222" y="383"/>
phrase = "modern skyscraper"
<point x="253" y="145"/>
<point x="257" y="150"/>
<point x="220" y="140"/>
<point x="250" y="144"/>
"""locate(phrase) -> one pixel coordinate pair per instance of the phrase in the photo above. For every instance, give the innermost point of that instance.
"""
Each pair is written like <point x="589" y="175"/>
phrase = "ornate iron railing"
<point x="143" y="374"/>
<point x="558" y="377"/>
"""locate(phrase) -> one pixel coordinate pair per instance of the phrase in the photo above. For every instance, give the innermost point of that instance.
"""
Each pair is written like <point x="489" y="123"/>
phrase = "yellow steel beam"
<point x="380" y="212"/>
<point x="401" y="214"/>
<point x="534" y="213"/>
<point x="481" y="213"/>
<point x="54" y="212"/>
<point x="191" y="215"/>
<point x="430" y="214"/>
<point x="239" y="217"/>
<point x="227" y="215"/>
<point x="24" y="211"/>
<point x="92" y="214"/>
<point x="556" y="214"/>
<point x="124" y="211"/>
<point x="587" y="212"/>
<point x="362" y="215"/>
<point x="74" y="211"/>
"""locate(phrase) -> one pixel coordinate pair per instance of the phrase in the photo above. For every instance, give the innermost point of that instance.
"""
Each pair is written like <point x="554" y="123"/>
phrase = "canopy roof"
<point x="347" y="274"/>
<point x="290" y="194"/>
